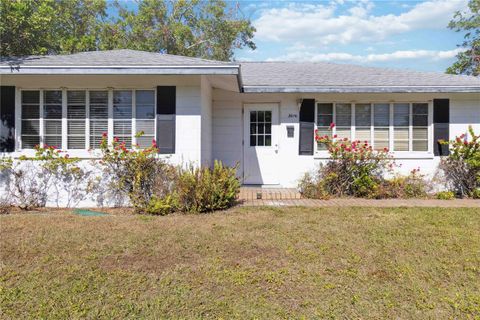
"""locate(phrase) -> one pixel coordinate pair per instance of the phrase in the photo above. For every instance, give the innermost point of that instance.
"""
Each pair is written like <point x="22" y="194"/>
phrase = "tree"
<point x="37" y="27"/>
<point x="209" y="29"/>
<point x="468" y="61"/>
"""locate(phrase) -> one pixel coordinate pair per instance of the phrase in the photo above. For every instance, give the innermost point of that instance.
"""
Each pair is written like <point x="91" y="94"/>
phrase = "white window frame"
<point x="410" y="154"/>
<point x="81" y="153"/>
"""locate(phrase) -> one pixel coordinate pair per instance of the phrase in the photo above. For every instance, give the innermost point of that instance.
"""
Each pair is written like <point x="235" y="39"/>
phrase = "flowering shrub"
<point x="156" y="187"/>
<point x="354" y="168"/>
<point x="462" y="167"/>
<point x="135" y="173"/>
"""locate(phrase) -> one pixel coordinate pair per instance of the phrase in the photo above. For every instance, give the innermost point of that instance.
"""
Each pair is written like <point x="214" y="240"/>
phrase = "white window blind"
<point x="76" y="119"/>
<point x="52" y="115"/>
<point x="381" y="122"/>
<point x="343" y="120"/>
<point x="363" y="121"/>
<point x="30" y="119"/>
<point x="145" y="117"/>
<point x="98" y="115"/>
<point x="122" y="116"/>
<point x="401" y="126"/>
<point x="420" y="126"/>
<point x="324" y="119"/>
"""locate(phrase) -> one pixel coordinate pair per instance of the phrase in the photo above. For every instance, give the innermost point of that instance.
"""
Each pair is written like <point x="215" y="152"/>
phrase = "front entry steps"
<point x="249" y="193"/>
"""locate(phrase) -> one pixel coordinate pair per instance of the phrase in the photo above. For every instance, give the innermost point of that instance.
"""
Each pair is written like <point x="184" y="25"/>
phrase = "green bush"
<point x="462" y="166"/>
<point x="311" y="187"/>
<point x="445" y="195"/>
<point x="206" y="189"/>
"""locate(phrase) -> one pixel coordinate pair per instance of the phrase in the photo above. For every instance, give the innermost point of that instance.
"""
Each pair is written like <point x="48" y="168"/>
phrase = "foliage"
<point x="135" y="173"/>
<point x="354" y="168"/>
<point x="209" y="29"/>
<point x="445" y="195"/>
<point x="206" y="189"/>
<point x="468" y="61"/>
<point x="412" y="186"/>
<point x="462" y="166"/>
<point x="37" y="27"/>
<point x="32" y="178"/>
<point x="311" y="186"/>
<point x="156" y="187"/>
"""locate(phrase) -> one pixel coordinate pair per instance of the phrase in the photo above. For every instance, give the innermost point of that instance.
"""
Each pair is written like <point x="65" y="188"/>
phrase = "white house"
<point x="261" y="115"/>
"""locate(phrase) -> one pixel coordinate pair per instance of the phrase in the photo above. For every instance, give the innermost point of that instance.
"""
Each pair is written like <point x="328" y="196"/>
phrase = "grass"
<point x="368" y="263"/>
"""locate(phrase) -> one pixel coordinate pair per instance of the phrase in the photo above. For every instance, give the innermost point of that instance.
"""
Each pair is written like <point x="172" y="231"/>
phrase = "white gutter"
<point x="358" y="89"/>
<point x="147" y="69"/>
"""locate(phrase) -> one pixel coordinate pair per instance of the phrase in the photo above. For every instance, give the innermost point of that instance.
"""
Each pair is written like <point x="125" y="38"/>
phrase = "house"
<point x="261" y="115"/>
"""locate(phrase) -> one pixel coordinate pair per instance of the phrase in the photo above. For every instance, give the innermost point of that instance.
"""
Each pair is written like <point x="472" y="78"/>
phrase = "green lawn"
<point x="368" y="263"/>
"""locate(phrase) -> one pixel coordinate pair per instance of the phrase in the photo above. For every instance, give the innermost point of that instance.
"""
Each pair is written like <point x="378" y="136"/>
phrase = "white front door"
<point x="260" y="146"/>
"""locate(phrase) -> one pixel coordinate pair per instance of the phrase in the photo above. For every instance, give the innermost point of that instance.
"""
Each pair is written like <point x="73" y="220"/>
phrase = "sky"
<point x="393" y="34"/>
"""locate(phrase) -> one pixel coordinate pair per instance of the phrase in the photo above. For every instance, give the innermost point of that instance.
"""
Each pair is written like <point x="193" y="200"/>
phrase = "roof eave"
<point x="160" y="70"/>
<point x="362" y="89"/>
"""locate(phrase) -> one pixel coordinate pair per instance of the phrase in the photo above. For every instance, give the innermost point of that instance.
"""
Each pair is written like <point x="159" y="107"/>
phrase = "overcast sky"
<point x="398" y="34"/>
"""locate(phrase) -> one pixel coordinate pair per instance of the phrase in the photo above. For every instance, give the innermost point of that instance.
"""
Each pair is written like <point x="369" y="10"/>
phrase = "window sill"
<point x="396" y="155"/>
<point x="81" y="154"/>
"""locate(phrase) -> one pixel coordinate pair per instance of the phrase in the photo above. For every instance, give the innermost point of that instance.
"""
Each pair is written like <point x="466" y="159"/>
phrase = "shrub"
<point x="206" y="189"/>
<point x="156" y="187"/>
<point x="462" y="166"/>
<point x="445" y="195"/>
<point x="412" y="186"/>
<point x="310" y="186"/>
<point x="354" y="168"/>
<point x="137" y="174"/>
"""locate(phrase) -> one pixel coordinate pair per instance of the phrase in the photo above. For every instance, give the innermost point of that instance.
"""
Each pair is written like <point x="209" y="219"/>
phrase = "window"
<point x="52" y="117"/>
<point x="260" y="128"/>
<point x="396" y="126"/>
<point x="122" y="117"/>
<point x="324" y="119"/>
<point x="381" y="125"/>
<point x="145" y="117"/>
<point x="401" y="126"/>
<point x="420" y="126"/>
<point x="343" y="120"/>
<point x="76" y="117"/>
<point x="363" y="122"/>
<point x="30" y="119"/>
<point x="98" y="115"/>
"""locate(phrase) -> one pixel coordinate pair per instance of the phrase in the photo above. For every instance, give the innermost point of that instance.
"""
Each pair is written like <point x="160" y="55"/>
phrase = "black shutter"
<point x="7" y="118"/>
<point x="441" y="126"/>
<point x="307" y="127"/>
<point x="166" y="109"/>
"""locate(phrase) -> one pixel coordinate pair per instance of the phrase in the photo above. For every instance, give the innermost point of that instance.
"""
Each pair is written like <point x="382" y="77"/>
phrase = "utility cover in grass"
<point x="89" y="213"/>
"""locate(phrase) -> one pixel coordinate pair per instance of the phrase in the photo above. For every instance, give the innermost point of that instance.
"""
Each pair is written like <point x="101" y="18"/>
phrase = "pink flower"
<point x="332" y="125"/>
<point x="104" y="134"/>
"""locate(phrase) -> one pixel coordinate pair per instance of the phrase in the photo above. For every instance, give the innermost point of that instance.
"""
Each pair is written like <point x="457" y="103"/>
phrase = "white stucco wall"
<point x="228" y="128"/>
<point x="206" y="122"/>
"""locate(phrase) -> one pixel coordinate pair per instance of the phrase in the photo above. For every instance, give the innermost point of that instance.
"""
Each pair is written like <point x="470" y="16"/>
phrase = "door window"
<point x="260" y="128"/>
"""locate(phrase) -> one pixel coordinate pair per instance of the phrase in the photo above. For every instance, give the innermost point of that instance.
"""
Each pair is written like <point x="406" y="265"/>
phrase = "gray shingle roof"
<point x="330" y="75"/>
<point x="121" y="57"/>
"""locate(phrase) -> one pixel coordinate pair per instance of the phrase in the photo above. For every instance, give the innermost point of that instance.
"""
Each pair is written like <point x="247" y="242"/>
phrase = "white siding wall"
<point x="228" y="127"/>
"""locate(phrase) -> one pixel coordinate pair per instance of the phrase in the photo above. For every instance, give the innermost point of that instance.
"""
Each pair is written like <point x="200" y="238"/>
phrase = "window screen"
<point x="324" y="119"/>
